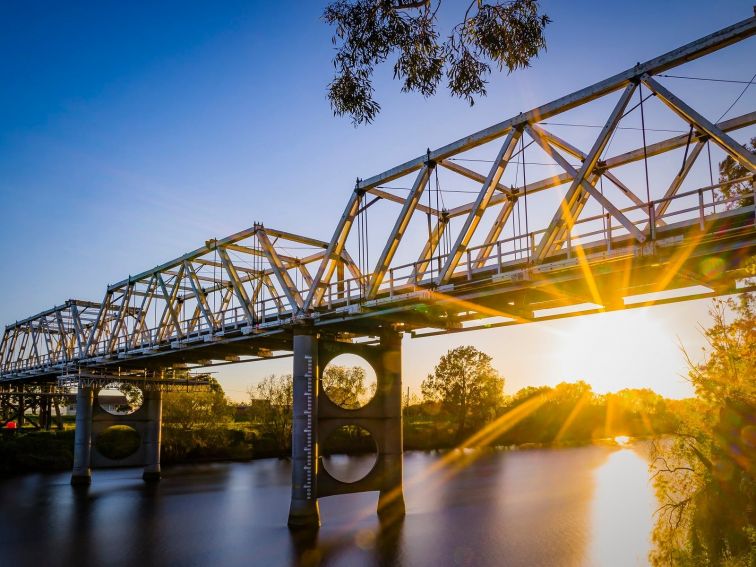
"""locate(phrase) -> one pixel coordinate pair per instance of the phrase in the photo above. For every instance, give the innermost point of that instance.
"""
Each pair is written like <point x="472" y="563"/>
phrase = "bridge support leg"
<point x="391" y="496"/>
<point x="154" y="405"/>
<point x="21" y="417"/>
<point x="5" y="405"/>
<point x="304" y="501"/>
<point x="82" y="470"/>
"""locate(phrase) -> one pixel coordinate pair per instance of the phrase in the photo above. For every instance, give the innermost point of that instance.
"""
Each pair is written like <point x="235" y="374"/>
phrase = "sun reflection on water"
<point x="622" y="510"/>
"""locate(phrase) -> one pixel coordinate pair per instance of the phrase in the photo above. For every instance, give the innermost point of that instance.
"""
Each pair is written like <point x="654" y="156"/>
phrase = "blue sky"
<point x="132" y="132"/>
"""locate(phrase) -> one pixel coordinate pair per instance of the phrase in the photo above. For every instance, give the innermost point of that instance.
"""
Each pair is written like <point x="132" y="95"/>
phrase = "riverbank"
<point x="52" y="451"/>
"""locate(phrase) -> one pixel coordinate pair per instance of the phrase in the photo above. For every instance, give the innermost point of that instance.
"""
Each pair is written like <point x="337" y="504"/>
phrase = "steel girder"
<point x="248" y="280"/>
<point x="53" y="337"/>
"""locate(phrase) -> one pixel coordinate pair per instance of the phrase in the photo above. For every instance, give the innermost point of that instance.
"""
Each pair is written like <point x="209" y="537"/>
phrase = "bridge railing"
<point x="193" y="329"/>
<point x="693" y="207"/>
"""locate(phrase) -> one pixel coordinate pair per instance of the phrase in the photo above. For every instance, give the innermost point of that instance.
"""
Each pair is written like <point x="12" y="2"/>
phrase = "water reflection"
<point x="622" y="511"/>
<point x="585" y="506"/>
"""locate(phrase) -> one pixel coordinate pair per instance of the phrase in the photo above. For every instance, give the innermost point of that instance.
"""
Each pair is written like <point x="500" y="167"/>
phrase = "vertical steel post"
<point x="652" y="220"/>
<point x="82" y="470"/>
<point x="609" y="231"/>
<point x="153" y="400"/>
<point x="45" y="404"/>
<point x="391" y="496"/>
<point x="304" y="447"/>
<point x="21" y="418"/>
<point x="4" y="404"/>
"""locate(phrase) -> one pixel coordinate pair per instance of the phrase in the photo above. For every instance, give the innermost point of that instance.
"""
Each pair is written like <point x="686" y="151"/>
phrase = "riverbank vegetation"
<point x="464" y="395"/>
<point x="704" y="473"/>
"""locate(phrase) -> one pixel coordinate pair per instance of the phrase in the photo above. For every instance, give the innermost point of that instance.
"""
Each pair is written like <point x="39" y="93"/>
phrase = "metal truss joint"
<point x="429" y="163"/>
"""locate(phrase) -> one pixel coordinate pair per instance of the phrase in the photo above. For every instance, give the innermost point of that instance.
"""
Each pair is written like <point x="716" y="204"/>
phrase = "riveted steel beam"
<point x="396" y="234"/>
<point x="481" y="203"/>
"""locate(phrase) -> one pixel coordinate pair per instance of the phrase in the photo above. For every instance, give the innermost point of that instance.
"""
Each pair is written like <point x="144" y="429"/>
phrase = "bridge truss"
<point x="599" y="232"/>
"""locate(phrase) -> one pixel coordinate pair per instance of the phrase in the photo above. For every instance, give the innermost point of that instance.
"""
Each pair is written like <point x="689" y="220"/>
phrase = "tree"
<point x="345" y="386"/>
<point x="705" y="475"/>
<point x="134" y="396"/>
<point x="275" y="413"/>
<point x="194" y="420"/>
<point x="196" y="410"/>
<point x="729" y="172"/>
<point x="507" y="34"/>
<point x="466" y="384"/>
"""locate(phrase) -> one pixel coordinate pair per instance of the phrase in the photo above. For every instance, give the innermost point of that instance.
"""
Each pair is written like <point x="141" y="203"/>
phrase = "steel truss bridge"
<point x="600" y="233"/>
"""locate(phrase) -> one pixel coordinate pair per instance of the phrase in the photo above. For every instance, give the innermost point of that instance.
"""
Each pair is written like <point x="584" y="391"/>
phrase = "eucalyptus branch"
<point x="507" y="33"/>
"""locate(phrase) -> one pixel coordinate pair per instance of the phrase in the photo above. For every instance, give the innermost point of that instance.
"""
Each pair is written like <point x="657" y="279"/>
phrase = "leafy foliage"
<point x="275" y="413"/>
<point x="346" y="387"/>
<point x="507" y="34"/>
<point x="36" y="451"/>
<point x="467" y="385"/>
<point x="730" y="171"/>
<point x="705" y="474"/>
<point x="193" y="421"/>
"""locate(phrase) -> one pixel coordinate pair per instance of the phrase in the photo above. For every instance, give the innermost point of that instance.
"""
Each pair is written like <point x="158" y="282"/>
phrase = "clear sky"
<point x="132" y="132"/>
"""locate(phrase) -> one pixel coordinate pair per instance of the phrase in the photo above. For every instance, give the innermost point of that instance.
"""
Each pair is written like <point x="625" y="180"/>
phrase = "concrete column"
<point x="82" y="471"/>
<point x="153" y="400"/>
<point x="304" y="448"/>
<point x="391" y="496"/>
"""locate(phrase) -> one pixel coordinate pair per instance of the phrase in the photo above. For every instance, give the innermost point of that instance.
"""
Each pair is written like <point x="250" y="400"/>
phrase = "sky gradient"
<point x="131" y="133"/>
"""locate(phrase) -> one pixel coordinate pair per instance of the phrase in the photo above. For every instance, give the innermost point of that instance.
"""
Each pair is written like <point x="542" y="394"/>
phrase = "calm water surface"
<point x="583" y="506"/>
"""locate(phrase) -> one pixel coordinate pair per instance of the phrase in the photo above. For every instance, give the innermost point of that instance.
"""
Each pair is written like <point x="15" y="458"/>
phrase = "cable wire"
<point x="707" y="79"/>
<point x="737" y="99"/>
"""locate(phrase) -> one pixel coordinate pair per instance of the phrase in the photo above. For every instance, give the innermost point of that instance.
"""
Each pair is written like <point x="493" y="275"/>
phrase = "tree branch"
<point x="408" y="4"/>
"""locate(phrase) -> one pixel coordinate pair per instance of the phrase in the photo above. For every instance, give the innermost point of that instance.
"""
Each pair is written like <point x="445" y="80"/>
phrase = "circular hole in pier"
<point x="349" y="453"/>
<point x="349" y="381"/>
<point x="120" y="399"/>
<point x="117" y="442"/>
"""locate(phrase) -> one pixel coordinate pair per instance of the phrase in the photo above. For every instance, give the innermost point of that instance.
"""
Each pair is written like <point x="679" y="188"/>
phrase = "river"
<point x="581" y="506"/>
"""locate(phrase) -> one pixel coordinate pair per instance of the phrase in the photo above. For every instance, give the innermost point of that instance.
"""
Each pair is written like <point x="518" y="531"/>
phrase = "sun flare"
<point x="616" y="350"/>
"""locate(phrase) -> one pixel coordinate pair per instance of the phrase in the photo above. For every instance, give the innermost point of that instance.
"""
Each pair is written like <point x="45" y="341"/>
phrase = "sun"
<point x="616" y="350"/>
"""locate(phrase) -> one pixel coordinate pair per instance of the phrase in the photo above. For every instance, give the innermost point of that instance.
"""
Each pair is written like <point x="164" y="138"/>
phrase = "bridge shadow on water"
<point x="584" y="506"/>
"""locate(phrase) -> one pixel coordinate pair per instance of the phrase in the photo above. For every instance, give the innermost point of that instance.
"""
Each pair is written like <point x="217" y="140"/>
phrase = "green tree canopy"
<point x="275" y="413"/>
<point x="467" y="385"/>
<point x="345" y="386"/>
<point x="507" y="34"/>
<point x="197" y="410"/>
<point x="736" y="180"/>
<point x="194" y="420"/>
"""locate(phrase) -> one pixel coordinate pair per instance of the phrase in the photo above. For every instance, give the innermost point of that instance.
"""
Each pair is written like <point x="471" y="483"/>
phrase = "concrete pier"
<point x="82" y="468"/>
<point x="316" y="417"/>
<point x="304" y="510"/>
<point x="153" y="400"/>
<point x="391" y="495"/>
